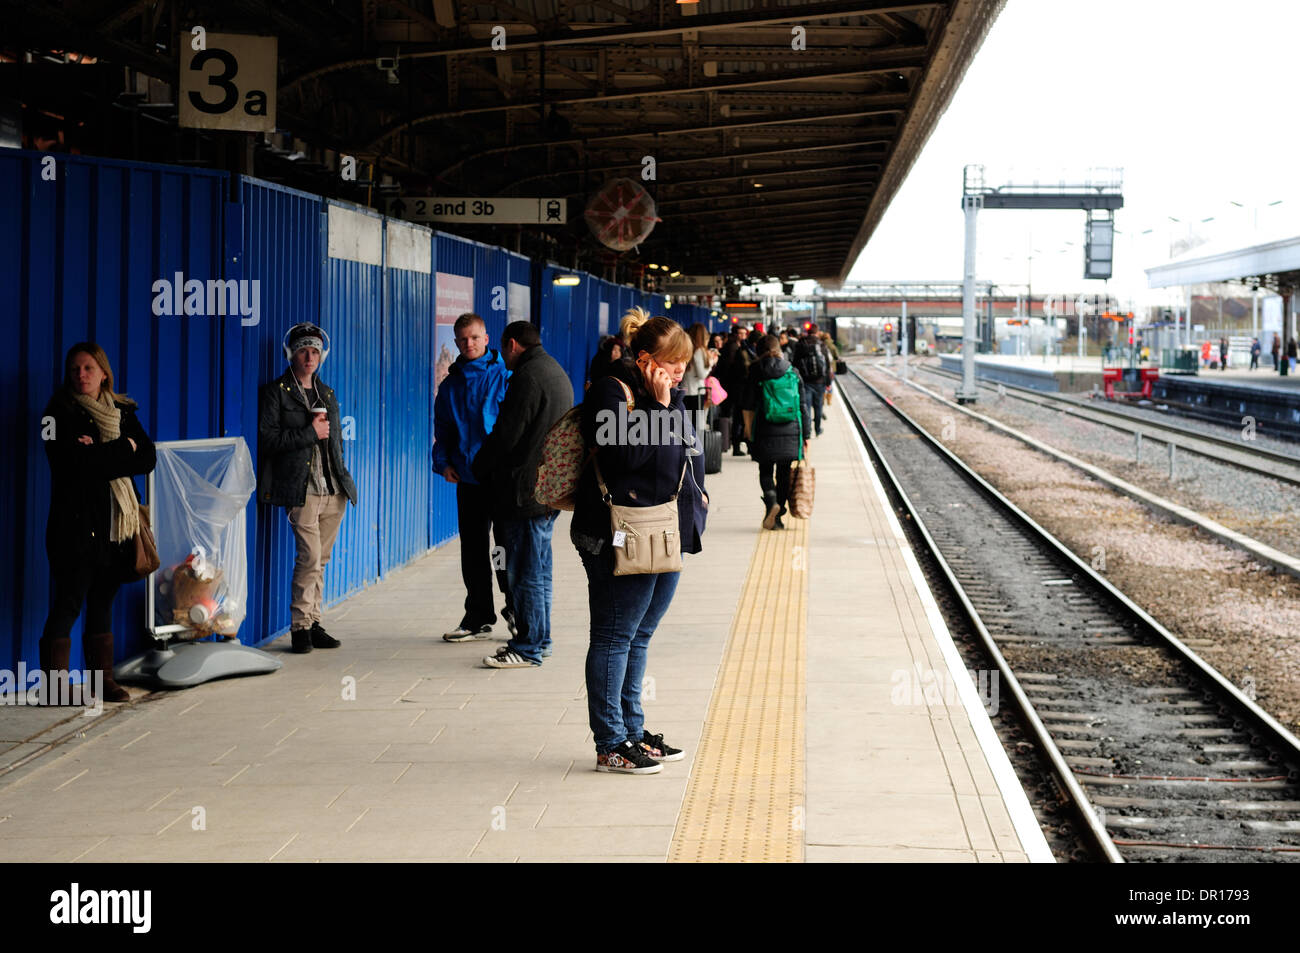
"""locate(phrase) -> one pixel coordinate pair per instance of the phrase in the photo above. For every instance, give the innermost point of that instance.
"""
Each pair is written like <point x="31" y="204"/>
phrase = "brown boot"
<point x="55" y="655"/>
<point x="98" y="649"/>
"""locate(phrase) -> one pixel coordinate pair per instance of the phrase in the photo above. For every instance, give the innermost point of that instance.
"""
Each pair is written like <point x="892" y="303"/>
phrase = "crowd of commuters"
<point x="492" y="414"/>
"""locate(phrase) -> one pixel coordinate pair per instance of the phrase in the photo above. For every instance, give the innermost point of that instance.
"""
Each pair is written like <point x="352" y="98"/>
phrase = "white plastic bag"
<point x="200" y="491"/>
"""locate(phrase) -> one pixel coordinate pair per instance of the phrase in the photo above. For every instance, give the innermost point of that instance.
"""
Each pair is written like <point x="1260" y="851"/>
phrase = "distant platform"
<point x="1075" y="374"/>
<point x="1057" y="374"/>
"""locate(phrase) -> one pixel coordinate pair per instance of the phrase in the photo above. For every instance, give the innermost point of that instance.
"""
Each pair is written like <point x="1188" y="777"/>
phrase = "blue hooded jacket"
<point x="465" y="411"/>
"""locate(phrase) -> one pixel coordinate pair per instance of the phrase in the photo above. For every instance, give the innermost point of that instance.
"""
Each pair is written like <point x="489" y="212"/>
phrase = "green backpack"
<point x="781" y="398"/>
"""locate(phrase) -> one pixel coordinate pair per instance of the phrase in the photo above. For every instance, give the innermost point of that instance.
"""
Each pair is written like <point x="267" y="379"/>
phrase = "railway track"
<point x="1161" y="757"/>
<point x="1226" y="450"/>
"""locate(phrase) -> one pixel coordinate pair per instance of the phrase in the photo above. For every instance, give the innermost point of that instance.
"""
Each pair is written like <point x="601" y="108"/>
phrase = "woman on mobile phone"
<point x="300" y="461"/>
<point x="639" y="469"/>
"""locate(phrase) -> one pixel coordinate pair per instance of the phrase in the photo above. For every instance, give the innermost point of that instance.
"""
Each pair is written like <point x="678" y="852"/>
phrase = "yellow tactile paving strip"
<point x="745" y="801"/>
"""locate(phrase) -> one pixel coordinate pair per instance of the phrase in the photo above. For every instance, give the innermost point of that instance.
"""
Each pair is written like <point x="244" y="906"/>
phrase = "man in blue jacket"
<point x="464" y="413"/>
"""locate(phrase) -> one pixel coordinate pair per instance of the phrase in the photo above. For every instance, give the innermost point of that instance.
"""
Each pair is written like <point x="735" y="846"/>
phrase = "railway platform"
<point x="808" y="675"/>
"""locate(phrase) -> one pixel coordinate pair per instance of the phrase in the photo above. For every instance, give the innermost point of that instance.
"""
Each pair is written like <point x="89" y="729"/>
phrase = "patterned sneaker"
<point x="507" y="659"/>
<point x="627" y="758"/>
<point x="510" y="622"/>
<point x="462" y="634"/>
<point x="656" y="750"/>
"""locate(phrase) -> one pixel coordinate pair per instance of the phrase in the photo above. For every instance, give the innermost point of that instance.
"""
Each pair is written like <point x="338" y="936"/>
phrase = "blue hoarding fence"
<point x="127" y="254"/>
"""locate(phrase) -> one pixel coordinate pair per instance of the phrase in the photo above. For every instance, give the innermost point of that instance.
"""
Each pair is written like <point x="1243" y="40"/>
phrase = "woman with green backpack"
<point x="778" y="419"/>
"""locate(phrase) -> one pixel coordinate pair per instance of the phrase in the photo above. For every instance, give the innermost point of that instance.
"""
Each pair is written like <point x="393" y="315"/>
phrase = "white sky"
<point x="1194" y="99"/>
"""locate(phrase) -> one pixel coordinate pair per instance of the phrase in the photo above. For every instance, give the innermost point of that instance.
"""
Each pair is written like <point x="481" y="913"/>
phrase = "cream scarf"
<point x="124" y="522"/>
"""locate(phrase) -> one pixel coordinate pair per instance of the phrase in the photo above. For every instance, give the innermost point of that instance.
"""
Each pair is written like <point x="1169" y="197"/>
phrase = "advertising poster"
<point x="453" y="296"/>
<point x="519" y="303"/>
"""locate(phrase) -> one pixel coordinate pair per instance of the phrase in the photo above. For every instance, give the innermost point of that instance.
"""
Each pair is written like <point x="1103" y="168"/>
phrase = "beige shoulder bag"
<point x="647" y="539"/>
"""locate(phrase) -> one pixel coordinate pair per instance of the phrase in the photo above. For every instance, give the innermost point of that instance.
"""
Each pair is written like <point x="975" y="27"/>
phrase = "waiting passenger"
<point x="464" y="412"/>
<point x="778" y="418"/>
<point x="96" y="445"/>
<point x="300" y="459"/>
<point x="626" y="608"/>
<point x="697" y="369"/>
<point x="608" y="351"/>
<point x="539" y="394"/>
<point x="814" y="363"/>
<point x="733" y="371"/>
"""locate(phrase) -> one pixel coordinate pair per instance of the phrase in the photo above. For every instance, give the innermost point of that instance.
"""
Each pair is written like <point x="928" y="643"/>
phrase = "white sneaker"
<point x="507" y="659"/>
<point x="462" y="634"/>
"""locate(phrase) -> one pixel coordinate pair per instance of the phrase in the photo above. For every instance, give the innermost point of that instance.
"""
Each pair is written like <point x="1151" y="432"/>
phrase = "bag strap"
<point x="600" y="479"/>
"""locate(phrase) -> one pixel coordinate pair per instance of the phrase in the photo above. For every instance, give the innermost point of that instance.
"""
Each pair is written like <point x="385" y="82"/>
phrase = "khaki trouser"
<point x="315" y="525"/>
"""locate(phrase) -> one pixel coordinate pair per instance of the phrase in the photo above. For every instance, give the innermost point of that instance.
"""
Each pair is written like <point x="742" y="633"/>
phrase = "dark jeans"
<point x="73" y="586"/>
<point x="528" y="568"/>
<point x="818" y="391"/>
<point x="774" y="480"/>
<point x="625" y="610"/>
<point x="474" y="519"/>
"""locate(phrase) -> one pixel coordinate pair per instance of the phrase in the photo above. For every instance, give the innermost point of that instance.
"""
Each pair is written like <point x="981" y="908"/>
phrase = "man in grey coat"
<point x="539" y="394"/>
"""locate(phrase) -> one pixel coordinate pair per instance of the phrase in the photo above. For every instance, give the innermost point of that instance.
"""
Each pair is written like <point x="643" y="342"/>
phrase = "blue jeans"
<point x="625" y="610"/>
<point x="528" y="571"/>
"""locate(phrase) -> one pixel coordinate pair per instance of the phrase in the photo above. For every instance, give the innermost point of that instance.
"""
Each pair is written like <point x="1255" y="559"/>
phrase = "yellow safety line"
<point x="745" y="801"/>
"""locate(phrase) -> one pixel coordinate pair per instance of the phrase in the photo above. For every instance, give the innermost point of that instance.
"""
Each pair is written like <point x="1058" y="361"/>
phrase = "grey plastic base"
<point x="192" y="663"/>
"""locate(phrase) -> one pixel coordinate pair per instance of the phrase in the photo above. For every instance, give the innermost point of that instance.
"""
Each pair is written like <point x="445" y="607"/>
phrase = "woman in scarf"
<point x="95" y="445"/>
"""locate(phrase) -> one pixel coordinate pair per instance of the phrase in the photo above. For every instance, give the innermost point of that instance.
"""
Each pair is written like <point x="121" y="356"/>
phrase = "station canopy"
<point x="780" y="129"/>
<point x="1271" y="261"/>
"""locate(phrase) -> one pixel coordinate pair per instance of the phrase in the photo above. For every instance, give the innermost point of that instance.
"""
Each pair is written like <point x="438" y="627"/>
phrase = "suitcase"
<point x="841" y="367"/>
<point x="722" y="426"/>
<point x="712" y="451"/>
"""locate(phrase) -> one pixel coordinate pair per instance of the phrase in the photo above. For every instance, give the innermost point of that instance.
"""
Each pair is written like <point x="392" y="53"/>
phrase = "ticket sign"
<point x="478" y="211"/>
<point x="229" y="83"/>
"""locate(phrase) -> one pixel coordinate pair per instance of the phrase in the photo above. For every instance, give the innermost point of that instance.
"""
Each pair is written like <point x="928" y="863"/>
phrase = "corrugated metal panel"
<point x="451" y="256"/>
<point x="407" y="392"/>
<point x="352" y="314"/>
<point x="491" y="290"/>
<point x="282" y="236"/>
<point x="78" y="258"/>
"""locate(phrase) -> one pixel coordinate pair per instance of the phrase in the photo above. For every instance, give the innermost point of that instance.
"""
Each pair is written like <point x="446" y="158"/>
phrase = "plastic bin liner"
<point x="198" y="511"/>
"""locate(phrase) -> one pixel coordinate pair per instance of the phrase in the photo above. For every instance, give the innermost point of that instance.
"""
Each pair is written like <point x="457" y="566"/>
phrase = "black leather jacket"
<point x="285" y="438"/>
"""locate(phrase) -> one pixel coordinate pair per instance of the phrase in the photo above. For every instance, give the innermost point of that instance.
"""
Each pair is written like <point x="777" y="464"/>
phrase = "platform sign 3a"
<point x="228" y="81"/>
<point x="478" y="211"/>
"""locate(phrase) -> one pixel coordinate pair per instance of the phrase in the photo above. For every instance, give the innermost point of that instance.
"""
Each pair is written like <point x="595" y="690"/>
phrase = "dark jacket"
<point x="465" y="411"/>
<point x="539" y="394"/>
<point x="285" y="438"/>
<point x="637" y="474"/>
<point x="77" y="530"/>
<point x="804" y="360"/>
<point x="735" y="361"/>
<point x="775" y="441"/>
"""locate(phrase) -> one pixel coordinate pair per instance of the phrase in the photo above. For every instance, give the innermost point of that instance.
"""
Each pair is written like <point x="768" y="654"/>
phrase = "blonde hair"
<point x="633" y="318"/>
<point x="97" y="354"/>
<point x="663" y="339"/>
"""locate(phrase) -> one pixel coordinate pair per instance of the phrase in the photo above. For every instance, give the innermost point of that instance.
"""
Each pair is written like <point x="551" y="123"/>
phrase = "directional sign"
<point x="229" y="83"/>
<point x="479" y="211"/>
<point x="693" y="285"/>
